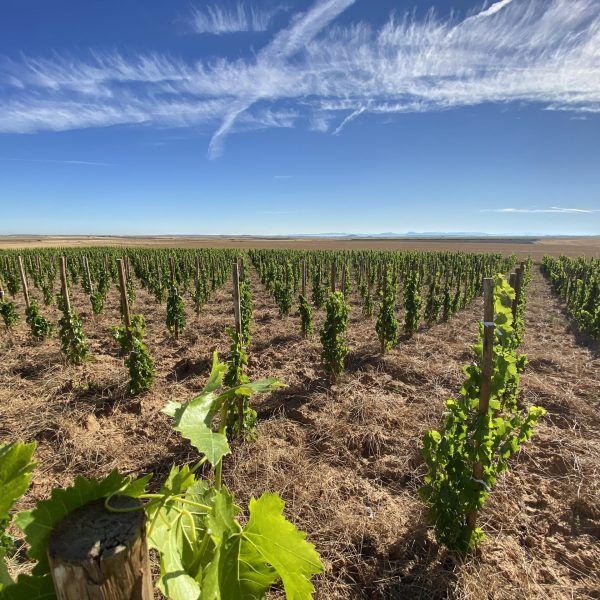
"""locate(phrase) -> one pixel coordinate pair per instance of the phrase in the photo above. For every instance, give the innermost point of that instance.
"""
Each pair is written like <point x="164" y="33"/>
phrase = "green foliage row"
<point x="577" y="281"/>
<point x="137" y="358"/>
<point x="468" y="436"/>
<point x="333" y="333"/>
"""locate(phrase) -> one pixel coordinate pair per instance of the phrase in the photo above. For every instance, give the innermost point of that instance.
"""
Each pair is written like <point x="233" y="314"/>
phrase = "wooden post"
<point x="158" y="272"/>
<point x="172" y="269"/>
<point x="343" y="282"/>
<point x="95" y="554"/>
<point x="237" y="310"/>
<point x="38" y="266"/>
<point x="381" y="339"/>
<point x="23" y="281"/>
<point x="304" y="278"/>
<point x="86" y="268"/>
<point x="237" y="314"/>
<point x="241" y="272"/>
<point x="518" y="284"/>
<point x="123" y="288"/>
<point x="486" y="371"/>
<point x="333" y="275"/>
<point x="64" y="286"/>
<point x="197" y="269"/>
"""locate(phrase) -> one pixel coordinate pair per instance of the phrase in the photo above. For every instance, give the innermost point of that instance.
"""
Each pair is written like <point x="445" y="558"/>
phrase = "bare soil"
<point x="345" y="458"/>
<point x="522" y="246"/>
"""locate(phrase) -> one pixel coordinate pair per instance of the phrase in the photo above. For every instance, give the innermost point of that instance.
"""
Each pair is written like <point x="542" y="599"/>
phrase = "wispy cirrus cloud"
<point x="552" y="209"/>
<point x="319" y="74"/>
<point x="220" y="18"/>
<point x="85" y="163"/>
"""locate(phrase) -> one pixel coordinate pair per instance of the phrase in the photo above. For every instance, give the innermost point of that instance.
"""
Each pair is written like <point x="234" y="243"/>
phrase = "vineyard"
<point x="302" y="423"/>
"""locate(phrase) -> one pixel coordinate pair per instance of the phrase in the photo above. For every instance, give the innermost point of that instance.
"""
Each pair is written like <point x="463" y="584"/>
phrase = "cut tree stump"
<point x="95" y="554"/>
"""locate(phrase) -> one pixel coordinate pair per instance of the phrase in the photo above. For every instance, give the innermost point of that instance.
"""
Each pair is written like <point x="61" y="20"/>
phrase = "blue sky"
<point x="295" y="116"/>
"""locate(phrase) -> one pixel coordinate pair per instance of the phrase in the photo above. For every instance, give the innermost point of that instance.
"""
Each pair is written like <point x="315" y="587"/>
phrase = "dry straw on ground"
<point x="345" y="458"/>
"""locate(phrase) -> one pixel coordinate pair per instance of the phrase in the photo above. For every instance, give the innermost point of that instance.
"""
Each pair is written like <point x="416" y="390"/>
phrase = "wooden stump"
<point x="95" y="554"/>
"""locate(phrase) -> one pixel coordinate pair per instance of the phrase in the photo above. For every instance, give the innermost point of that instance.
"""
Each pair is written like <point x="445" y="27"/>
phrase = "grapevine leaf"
<point x="172" y="534"/>
<point x="221" y="526"/>
<point x="217" y="372"/>
<point x="269" y="538"/>
<point x="194" y="421"/>
<point x="174" y="582"/>
<point x="29" y="587"/>
<point x="16" y="468"/>
<point x="4" y="576"/>
<point x="249" y="388"/>
<point x="137" y="487"/>
<point x="38" y="523"/>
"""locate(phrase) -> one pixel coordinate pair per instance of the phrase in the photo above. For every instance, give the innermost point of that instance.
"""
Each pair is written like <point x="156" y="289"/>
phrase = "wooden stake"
<point x="486" y="370"/>
<point x="237" y="315"/>
<point x="343" y="283"/>
<point x="158" y="272"/>
<point x="304" y="278"/>
<point x="64" y="285"/>
<point x="123" y="288"/>
<point x="86" y="268"/>
<point x="197" y="269"/>
<point x="95" y="554"/>
<point x="23" y="281"/>
<point x="237" y="310"/>
<point x="518" y="285"/>
<point x="242" y="273"/>
<point x="381" y="339"/>
<point x="172" y="269"/>
<point x="333" y="274"/>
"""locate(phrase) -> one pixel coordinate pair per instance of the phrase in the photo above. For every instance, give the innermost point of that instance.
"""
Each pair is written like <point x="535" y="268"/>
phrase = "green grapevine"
<point x="387" y="325"/>
<point x="467" y="436"/>
<point x="412" y="304"/>
<point x="72" y="339"/>
<point x="332" y="335"/>
<point x="8" y="311"/>
<point x="306" y="319"/>
<point x="41" y="328"/>
<point x="175" y="312"/>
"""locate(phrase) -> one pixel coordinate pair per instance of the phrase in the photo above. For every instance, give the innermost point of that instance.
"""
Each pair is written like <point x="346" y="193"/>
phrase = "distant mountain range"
<point x="408" y="234"/>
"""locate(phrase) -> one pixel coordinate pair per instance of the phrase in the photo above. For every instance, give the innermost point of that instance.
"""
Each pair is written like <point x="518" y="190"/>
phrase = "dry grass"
<point x="346" y="457"/>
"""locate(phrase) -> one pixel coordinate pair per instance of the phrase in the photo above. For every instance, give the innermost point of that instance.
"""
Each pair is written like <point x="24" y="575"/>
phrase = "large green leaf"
<point x="269" y="539"/>
<point x="38" y="523"/>
<point x="194" y="418"/>
<point x="4" y="576"/>
<point x="217" y="372"/>
<point x="16" y="467"/>
<point x="255" y="387"/>
<point x="221" y="526"/>
<point x="194" y="421"/>
<point x="176" y="538"/>
<point x="29" y="587"/>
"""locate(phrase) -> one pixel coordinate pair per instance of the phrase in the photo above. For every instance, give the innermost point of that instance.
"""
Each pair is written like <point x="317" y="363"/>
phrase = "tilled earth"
<point x="346" y="458"/>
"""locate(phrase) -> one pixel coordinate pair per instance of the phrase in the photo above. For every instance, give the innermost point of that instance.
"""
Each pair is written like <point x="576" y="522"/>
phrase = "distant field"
<point x="522" y="246"/>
